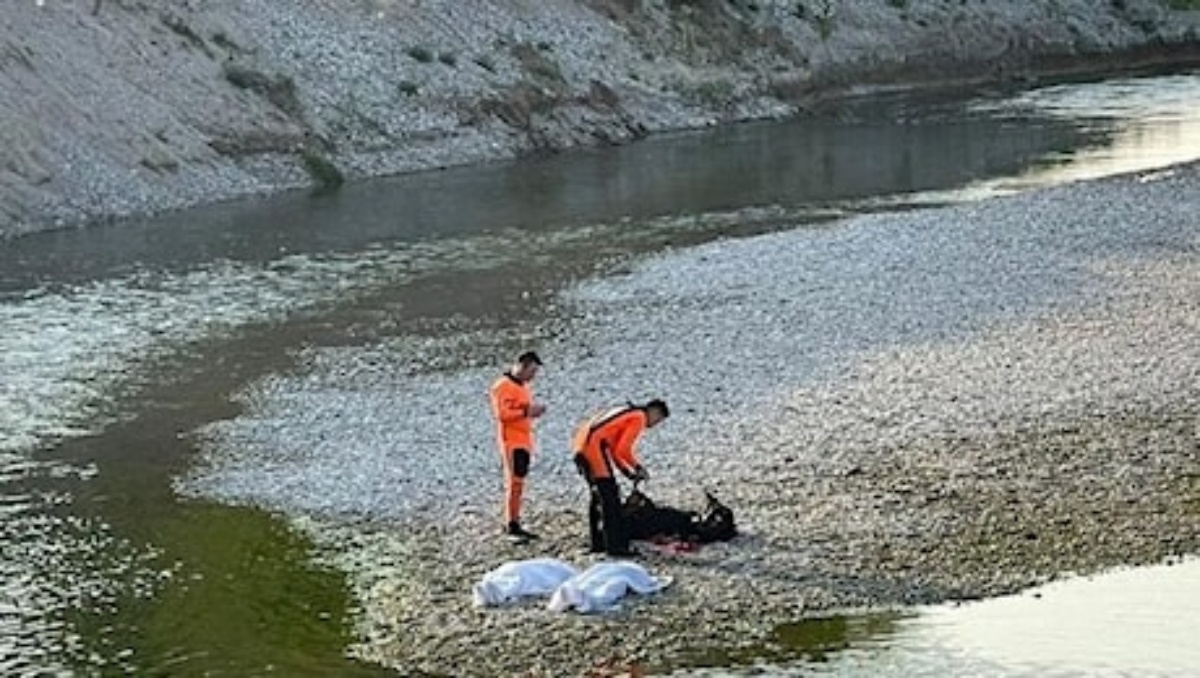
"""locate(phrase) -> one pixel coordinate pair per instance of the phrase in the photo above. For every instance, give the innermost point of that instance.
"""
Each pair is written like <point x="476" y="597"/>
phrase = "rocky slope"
<point x="110" y="108"/>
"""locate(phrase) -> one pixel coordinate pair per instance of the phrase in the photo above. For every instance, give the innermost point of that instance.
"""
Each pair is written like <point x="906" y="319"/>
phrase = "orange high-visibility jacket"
<point x="511" y="398"/>
<point x="609" y="438"/>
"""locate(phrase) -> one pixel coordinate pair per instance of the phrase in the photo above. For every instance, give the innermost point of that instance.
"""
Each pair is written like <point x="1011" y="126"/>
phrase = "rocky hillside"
<point x="111" y="108"/>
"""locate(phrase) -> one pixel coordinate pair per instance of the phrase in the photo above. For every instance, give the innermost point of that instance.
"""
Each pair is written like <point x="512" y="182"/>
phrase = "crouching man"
<point x="601" y="444"/>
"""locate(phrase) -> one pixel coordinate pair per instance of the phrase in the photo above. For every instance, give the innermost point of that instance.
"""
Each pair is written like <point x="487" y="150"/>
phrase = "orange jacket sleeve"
<point x="623" y="450"/>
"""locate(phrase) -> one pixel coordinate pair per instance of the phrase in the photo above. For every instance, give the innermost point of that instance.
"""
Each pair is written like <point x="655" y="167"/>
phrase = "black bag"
<point x="717" y="524"/>
<point x="646" y="520"/>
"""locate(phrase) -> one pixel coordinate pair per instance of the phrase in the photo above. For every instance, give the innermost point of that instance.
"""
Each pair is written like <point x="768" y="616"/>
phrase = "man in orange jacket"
<point x="604" y="443"/>
<point x="514" y="411"/>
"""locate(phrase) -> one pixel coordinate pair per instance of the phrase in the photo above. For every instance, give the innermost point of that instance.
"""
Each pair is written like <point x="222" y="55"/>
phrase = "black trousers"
<point x="606" y="527"/>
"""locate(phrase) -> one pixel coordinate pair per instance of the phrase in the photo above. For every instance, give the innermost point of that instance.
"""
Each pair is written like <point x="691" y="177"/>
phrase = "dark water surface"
<point x="119" y="341"/>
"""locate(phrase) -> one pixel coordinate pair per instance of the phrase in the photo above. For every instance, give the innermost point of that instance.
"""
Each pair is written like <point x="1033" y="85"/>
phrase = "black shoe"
<point x="594" y="548"/>
<point x="515" y="531"/>
<point x="624" y="553"/>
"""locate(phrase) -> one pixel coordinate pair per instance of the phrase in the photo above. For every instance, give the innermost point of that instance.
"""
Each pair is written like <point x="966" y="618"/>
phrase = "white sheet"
<point x="602" y="586"/>
<point x="512" y="580"/>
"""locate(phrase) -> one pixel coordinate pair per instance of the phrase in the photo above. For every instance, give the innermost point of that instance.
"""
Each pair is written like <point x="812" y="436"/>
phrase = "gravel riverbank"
<point x="902" y="408"/>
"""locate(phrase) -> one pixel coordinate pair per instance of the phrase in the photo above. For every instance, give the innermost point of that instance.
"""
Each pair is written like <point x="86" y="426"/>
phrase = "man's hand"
<point x="536" y="410"/>
<point x="640" y="474"/>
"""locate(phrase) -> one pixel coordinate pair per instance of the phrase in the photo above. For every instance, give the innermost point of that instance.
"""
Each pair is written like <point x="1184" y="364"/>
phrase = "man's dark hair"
<point x="529" y="358"/>
<point x="660" y="405"/>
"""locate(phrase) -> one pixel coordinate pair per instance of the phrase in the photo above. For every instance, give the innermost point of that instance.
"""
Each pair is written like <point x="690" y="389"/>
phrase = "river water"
<point x="119" y="342"/>
<point x="1128" y="622"/>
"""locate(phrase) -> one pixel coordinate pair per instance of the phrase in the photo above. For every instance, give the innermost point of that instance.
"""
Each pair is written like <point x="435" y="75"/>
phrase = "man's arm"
<point x="624" y="455"/>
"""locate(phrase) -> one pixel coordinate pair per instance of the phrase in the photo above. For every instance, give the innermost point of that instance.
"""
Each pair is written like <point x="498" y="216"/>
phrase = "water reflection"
<point x="1147" y="123"/>
<point x="52" y="561"/>
<point x="811" y="641"/>
<point x="905" y="146"/>
<point x="1128" y="622"/>
<point x="802" y="162"/>
<point x="1134" y="622"/>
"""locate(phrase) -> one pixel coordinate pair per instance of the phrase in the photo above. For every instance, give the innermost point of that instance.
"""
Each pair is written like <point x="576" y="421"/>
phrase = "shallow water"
<point x="1131" y="622"/>
<point x="120" y="342"/>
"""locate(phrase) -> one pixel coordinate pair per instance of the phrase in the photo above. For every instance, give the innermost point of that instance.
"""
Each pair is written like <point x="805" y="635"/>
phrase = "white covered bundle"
<point x="596" y="589"/>
<point x="603" y="585"/>
<point x="513" y="580"/>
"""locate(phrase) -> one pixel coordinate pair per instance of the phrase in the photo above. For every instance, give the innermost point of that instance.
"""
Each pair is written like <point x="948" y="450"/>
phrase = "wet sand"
<point x="902" y="408"/>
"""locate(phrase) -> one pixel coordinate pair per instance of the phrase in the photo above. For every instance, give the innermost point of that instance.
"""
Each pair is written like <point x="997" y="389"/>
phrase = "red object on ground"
<point x="673" y="547"/>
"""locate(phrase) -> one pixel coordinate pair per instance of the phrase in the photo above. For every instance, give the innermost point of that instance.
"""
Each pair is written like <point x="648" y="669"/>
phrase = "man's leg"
<point x="595" y="532"/>
<point x="516" y="468"/>
<point x="616" y="541"/>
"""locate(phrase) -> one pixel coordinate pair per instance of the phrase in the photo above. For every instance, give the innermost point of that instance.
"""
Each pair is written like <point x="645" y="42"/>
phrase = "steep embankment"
<point x="121" y="107"/>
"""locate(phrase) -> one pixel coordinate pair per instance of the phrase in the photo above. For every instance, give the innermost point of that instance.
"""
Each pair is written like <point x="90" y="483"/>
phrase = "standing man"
<point x="514" y="411"/>
<point x="601" y="444"/>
